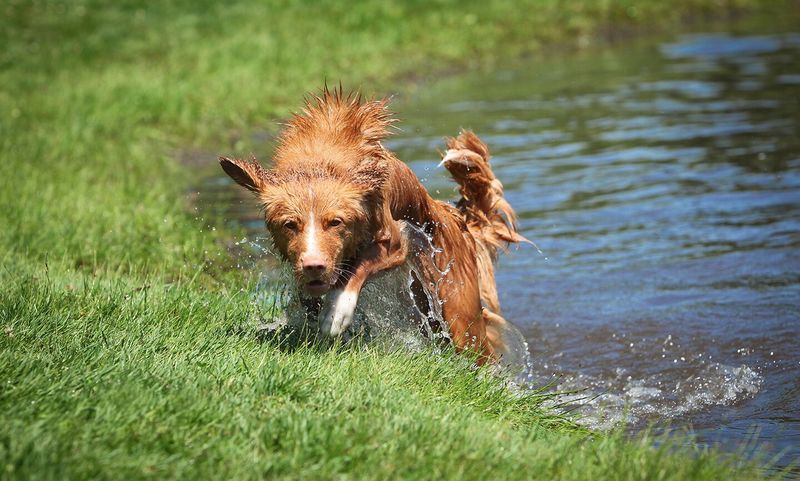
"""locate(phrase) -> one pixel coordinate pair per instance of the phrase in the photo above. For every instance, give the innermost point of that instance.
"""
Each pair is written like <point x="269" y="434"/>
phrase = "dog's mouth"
<point x="317" y="287"/>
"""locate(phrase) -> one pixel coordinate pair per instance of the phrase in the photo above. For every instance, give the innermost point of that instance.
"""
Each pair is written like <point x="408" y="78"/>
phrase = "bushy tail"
<point x="482" y="201"/>
<point x="490" y="218"/>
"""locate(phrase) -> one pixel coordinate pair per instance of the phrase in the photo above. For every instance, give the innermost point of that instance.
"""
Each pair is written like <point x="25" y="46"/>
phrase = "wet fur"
<point x="334" y="179"/>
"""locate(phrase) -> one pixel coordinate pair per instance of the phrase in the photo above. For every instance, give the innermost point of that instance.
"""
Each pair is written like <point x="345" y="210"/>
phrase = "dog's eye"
<point x="334" y="222"/>
<point x="290" y="225"/>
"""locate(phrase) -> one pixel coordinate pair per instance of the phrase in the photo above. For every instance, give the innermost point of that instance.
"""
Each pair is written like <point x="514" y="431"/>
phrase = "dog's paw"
<point x="338" y="312"/>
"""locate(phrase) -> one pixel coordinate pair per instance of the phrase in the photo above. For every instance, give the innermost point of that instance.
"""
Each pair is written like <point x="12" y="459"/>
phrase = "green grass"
<point x="120" y="356"/>
<point x="113" y="380"/>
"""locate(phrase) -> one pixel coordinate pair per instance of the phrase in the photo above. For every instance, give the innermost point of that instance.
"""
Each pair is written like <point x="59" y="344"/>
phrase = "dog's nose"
<point x="313" y="265"/>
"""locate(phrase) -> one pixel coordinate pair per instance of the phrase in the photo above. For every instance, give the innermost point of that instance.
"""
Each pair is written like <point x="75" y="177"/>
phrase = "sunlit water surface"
<point x="662" y="184"/>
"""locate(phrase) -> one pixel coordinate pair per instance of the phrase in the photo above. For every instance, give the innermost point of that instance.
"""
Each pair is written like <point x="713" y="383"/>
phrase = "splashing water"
<point x="602" y="403"/>
<point x="397" y="309"/>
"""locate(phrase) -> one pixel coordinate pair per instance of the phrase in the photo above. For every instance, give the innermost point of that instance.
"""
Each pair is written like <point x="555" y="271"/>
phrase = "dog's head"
<point x="318" y="218"/>
<point x="322" y="199"/>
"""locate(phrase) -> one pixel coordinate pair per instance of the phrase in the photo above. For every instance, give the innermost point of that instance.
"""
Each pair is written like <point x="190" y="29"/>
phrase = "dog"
<point x="335" y="201"/>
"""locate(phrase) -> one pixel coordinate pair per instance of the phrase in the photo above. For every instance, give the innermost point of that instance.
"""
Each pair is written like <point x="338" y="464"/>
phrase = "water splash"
<point x="604" y="402"/>
<point x="397" y="309"/>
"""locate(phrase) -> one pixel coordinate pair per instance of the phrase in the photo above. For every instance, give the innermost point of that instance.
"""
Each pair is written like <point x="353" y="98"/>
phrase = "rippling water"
<point x="662" y="184"/>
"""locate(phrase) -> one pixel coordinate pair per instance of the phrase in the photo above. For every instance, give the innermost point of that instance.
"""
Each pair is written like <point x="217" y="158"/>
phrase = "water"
<point x="662" y="183"/>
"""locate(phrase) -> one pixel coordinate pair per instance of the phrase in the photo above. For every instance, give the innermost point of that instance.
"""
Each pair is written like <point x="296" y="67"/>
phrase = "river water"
<point x="661" y="181"/>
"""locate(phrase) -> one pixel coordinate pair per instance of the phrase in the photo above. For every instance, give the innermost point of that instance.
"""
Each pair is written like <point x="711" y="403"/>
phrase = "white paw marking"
<point x="338" y="312"/>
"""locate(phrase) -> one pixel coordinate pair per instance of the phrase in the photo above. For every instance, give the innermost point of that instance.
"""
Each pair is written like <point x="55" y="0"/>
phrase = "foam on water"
<point x="604" y="402"/>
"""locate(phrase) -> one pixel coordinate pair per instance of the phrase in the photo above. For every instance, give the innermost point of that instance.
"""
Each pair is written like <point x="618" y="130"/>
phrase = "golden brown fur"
<point x="334" y="200"/>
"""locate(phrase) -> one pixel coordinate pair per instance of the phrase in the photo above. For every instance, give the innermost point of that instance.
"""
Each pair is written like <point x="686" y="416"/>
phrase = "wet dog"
<point x="335" y="200"/>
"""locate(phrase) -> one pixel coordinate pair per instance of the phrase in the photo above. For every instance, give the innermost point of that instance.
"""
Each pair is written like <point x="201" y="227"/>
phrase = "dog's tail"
<point x="490" y="218"/>
<point x="482" y="201"/>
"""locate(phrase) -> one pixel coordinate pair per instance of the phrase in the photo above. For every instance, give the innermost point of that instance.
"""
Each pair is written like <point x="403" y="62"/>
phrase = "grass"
<point x="109" y="380"/>
<point x="120" y="358"/>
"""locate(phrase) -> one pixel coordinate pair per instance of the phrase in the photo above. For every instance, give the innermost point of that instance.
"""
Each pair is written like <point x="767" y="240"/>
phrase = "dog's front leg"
<point x="339" y="308"/>
<point x="338" y="311"/>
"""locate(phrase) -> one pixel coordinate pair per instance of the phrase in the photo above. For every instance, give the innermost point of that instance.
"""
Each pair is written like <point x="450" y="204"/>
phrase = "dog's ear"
<point x="248" y="174"/>
<point x="371" y="174"/>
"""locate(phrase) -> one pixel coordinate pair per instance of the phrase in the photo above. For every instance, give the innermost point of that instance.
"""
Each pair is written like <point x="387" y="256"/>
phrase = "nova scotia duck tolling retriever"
<point x="334" y="202"/>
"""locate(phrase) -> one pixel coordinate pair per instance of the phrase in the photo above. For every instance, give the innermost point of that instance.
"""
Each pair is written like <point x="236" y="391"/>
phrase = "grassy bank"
<point x="119" y="356"/>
